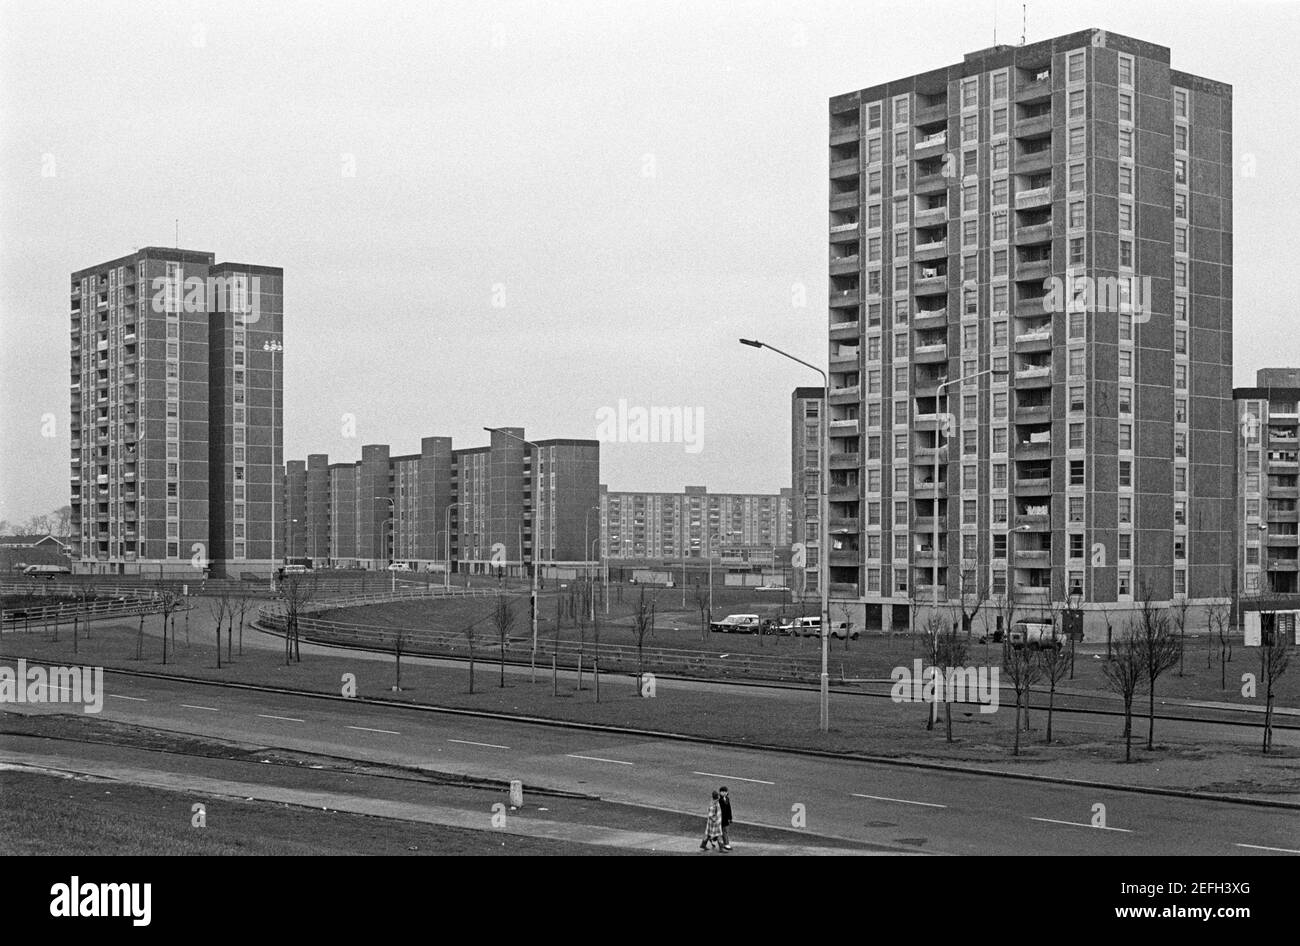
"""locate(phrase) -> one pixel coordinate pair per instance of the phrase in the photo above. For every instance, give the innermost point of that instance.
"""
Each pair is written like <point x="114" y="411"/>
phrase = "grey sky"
<point x="644" y="181"/>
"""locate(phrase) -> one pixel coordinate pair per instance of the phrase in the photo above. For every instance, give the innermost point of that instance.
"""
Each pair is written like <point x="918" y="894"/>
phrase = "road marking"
<point x="287" y="719"/>
<point x="1260" y="847"/>
<point x="485" y="745"/>
<point x="210" y="709"/>
<point x="367" y="729"/>
<point x="593" y="758"/>
<point x="134" y="699"/>
<point x="734" y="778"/>
<point x="901" y="801"/>
<point x="1076" y="824"/>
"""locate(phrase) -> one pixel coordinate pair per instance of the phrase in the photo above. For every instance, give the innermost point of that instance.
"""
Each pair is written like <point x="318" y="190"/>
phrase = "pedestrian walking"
<point x="713" y="826"/>
<point x="724" y="805"/>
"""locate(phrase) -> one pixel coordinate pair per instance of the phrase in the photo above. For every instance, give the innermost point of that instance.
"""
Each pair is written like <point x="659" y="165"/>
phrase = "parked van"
<point x="48" y="572"/>
<point x="1036" y="635"/>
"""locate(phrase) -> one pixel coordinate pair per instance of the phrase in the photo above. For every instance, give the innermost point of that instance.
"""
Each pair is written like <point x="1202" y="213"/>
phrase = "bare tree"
<point x="1123" y="672"/>
<point x="1219" y="616"/>
<point x="595" y="656"/>
<point x="297" y="591"/>
<point x="1160" y="650"/>
<point x="701" y="596"/>
<point x="1180" y="608"/>
<point x="242" y="603"/>
<point x="1274" y="658"/>
<point x="935" y="626"/>
<point x="470" y="630"/>
<point x="1006" y="605"/>
<point x="580" y="622"/>
<point x="503" y="619"/>
<point x="951" y="655"/>
<point x="168" y="602"/>
<point x="643" y="621"/>
<point x="399" y="644"/>
<point x="914" y="604"/>
<point x="974" y="592"/>
<point x="218" y="606"/>
<point x="1056" y="664"/>
<point x="1022" y="667"/>
<point x="846" y="612"/>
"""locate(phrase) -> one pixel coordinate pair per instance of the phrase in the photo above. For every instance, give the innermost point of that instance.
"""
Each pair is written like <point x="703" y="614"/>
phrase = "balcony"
<point x="1029" y="307"/>
<point x="930" y="354"/>
<point x="844" y="359"/>
<point x="931" y="183"/>
<point x="927" y="489"/>
<point x="930" y="284"/>
<point x="929" y="524"/>
<point x="1035" y="270"/>
<point x="1033" y="413"/>
<point x="845" y="297"/>
<point x="844" y="134"/>
<point x="1038" y="340"/>
<point x="935" y="249"/>
<point x="845" y="391"/>
<point x="847" y="167"/>
<point x="845" y="199"/>
<point x="930" y="114"/>
<point x="845" y="229"/>
<point x="1035" y="89"/>
<point x="1033" y="127"/>
<point x="1034" y="449"/>
<point x="1035" y="234"/>
<point x="1034" y="162"/>
<point x="845" y="331"/>
<point x="841" y="265"/>
<point x="1033" y="485"/>
<point x="843" y="492"/>
<point x="931" y="217"/>
<point x="844" y="428"/>
<point x="845" y="526"/>
<point x="844" y="557"/>
<point x="844" y="589"/>
<point x="847" y="460"/>
<point x="1034" y="377"/>
<point x="1034" y="197"/>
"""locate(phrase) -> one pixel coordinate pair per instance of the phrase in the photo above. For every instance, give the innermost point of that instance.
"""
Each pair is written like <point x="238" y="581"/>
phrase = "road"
<point x="923" y="810"/>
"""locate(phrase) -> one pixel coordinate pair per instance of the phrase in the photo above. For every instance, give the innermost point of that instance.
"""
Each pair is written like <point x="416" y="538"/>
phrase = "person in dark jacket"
<point x="724" y="801"/>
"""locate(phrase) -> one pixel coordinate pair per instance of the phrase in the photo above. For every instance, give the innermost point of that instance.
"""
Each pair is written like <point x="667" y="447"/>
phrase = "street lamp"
<point x="273" y="346"/>
<point x="392" y="518"/>
<point x="533" y="592"/>
<point x="823" y="539"/>
<point x="708" y="551"/>
<point x="586" y="546"/>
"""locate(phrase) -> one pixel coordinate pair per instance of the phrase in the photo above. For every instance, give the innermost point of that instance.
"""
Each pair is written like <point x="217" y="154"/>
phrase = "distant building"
<point x="1268" y="464"/>
<point x="807" y="407"/>
<point x="693" y="523"/>
<point x="475" y="509"/>
<point x="176" y="401"/>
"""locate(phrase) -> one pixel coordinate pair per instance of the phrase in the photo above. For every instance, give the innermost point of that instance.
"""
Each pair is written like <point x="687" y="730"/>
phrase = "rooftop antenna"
<point x="1024" y="23"/>
<point x="995" y="22"/>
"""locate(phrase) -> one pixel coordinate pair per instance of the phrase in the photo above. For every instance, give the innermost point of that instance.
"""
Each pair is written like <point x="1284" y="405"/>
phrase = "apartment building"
<point x="1268" y="464"/>
<point x="1030" y="332"/>
<point x="807" y="406"/>
<point x="694" y="523"/>
<point x="176" y="414"/>
<point x="504" y="505"/>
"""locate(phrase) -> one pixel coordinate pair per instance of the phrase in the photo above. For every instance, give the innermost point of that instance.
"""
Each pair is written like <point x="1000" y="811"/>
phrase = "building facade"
<point x="807" y="407"/>
<point x="1268" y="465"/>
<point x="476" y="509"/>
<point x="694" y="523"/>
<point x="1030" y="334"/>
<point x="176" y="414"/>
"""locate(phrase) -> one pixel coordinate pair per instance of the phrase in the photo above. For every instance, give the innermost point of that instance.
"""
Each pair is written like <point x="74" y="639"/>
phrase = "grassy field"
<point x="47" y="814"/>
<point x="872" y="656"/>
<point x="859" y="725"/>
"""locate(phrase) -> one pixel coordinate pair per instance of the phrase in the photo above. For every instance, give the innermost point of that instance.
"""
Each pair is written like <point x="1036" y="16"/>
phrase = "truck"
<point x="48" y="572"/>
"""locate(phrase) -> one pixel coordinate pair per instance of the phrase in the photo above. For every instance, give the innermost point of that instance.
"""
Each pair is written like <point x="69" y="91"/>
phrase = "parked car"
<point x="736" y="624"/>
<point x="292" y="569"/>
<point x="48" y="572"/>
<point x="1036" y="635"/>
<point x="808" y="626"/>
<point x="839" y="629"/>
<point x="399" y="567"/>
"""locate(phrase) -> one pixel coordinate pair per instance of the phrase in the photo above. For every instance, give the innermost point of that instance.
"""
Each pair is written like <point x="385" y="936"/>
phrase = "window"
<point x="901" y="141"/>
<point x="873" y="514"/>
<point x="1125" y="364"/>
<point x="1180" y="377"/>
<point x="970" y="91"/>
<point x="1077" y="245"/>
<point x="900" y="346"/>
<point x="1076" y="141"/>
<point x="1180" y="205"/>
<point x="1076" y="103"/>
<point x="999" y="225"/>
<point x="1126" y="106"/>
<point x="1125" y="472"/>
<point x="1000" y="300"/>
<point x="900" y="243"/>
<point x="970" y="199"/>
<point x="999" y="263"/>
<point x="1125" y="399"/>
<point x="998" y="192"/>
<point x="1076" y="545"/>
<point x="1075" y="67"/>
<point x="1180" y="512"/>
<point x="1180" y="103"/>
<point x="1076" y="473"/>
<point x="873" y="183"/>
<point x="999" y="440"/>
<point x="998" y="155"/>
<point x="1126" y="180"/>
<point x="901" y="111"/>
<point x="970" y="338"/>
<point x="1180" y="239"/>
<point x="1076" y="214"/>
<point x="1126" y="70"/>
<point x="873" y="116"/>
<point x="1180" y="341"/>
<point x="970" y="128"/>
<point x="1125" y="546"/>
<point x="873" y="448"/>
<point x="900" y="210"/>
<point x="1180" y="443"/>
<point x="873" y="315"/>
<point x="900" y="178"/>
<point x="999" y="334"/>
<point x="1076" y="436"/>
<point x="969" y="511"/>
<point x="1076" y="178"/>
<point x="873" y="150"/>
<point x="1076" y="508"/>
<point x="1180" y="170"/>
<point x="1126" y="253"/>
<point x="1126" y="436"/>
<point x="1126" y="142"/>
<point x="1126" y="509"/>
<point x="1076" y="362"/>
<point x="969" y="442"/>
<point x="1180" y="410"/>
<point x="873" y="250"/>
<point x="900" y="511"/>
<point x="1180" y="548"/>
<point x="1126" y="218"/>
<point x="999" y="121"/>
<point x="999" y="476"/>
<point x="1180" y="308"/>
<point x="999" y="86"/>
<point x="1180" y="137"/>
<point x="1180" y="479"/>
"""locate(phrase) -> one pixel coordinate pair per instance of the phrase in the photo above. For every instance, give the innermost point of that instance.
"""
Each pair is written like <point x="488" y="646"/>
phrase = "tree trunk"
<point x="947" y="712"/>
<point x="1128" y="729"/>
<point x="1016" y="751"/>
<point x="503" y="665"/>
<point x="1051" y="704"/>
<point x="1151" y="716"/>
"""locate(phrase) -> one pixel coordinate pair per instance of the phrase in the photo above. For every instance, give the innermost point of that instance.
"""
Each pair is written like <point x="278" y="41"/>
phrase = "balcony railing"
<point x="1034" y="197"/>
<point x="929" y="141"/>
<point x="844" y="227"/>
<point x="1033" y="372"/>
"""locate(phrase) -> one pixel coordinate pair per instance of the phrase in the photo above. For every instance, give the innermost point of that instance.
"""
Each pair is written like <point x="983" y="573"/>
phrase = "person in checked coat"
<point x="713" y="826"/>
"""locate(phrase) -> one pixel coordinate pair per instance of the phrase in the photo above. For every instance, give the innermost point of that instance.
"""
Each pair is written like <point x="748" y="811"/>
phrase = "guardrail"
<point x="67" y="609"/>
<point x="614" y="658"/>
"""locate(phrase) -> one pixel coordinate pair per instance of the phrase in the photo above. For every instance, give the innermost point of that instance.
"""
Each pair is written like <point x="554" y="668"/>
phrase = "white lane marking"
<point x="210" y="709"/>
<point x="485" y="745"/>
<point x="901" y="801"/>
<point x="1076" y="824"/>
<point x="368" y="729"/>
<point x="287" y="719"/>
<point x="594" y="758"/>
<point x="1260" y="847"/>
<point x="734" y="778"/>
<point x="134" y="699"/>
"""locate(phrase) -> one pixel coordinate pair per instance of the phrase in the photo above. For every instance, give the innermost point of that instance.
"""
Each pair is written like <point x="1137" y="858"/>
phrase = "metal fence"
<point x="65" y="609"/>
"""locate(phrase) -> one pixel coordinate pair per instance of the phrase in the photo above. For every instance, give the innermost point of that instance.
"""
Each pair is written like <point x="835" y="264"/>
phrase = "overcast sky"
<point x="638" y="183"/>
